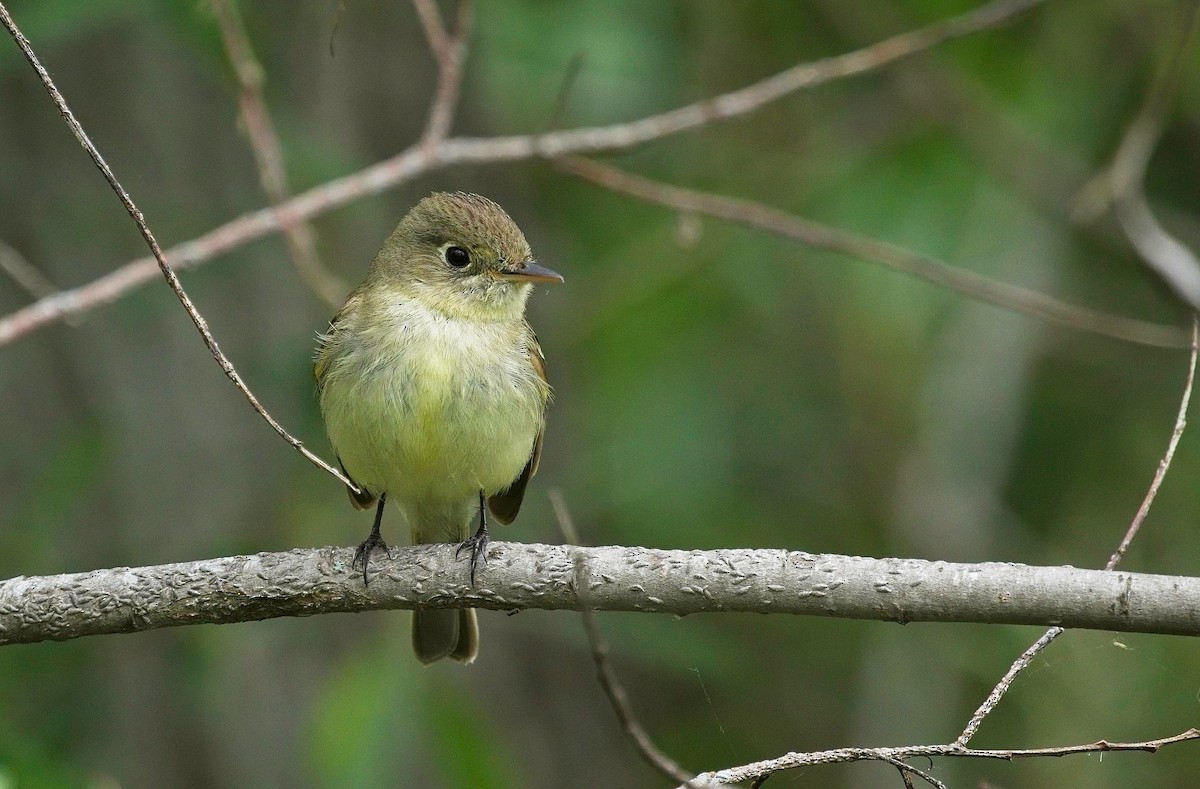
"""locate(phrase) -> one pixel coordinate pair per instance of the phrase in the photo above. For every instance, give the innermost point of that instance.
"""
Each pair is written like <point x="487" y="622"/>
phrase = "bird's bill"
<point x="531" y="272"/>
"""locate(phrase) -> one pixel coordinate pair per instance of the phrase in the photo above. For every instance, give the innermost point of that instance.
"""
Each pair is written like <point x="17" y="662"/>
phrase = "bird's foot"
<point x="477" y="546"/>
<point x="362" y="556"/>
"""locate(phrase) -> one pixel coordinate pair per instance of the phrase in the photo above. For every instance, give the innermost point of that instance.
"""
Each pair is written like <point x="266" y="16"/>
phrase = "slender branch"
<point x="1002" y="687"/>
<point x="565" y="86"/>
<point x="1122" y="185"/>
<point x="610" y="683"/>
<point x="450" y="52"/>
<point x="24" y="273"/>
<point x="907" y="771"/>
<point x="167" y="272"/>
<point x="967" y="283"/>
<point x="1022" y="662"/>
<point x="893" y="755"/>
<point x="268" y="153"/>
<point x="441" y="44"/>
<point x="519" y="576"/>
<point x="1160" y="473"/>
<point x="420" y="159"/>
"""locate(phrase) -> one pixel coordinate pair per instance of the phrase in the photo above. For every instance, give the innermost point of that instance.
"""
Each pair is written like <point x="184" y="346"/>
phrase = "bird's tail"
<point x="443" y="632"/>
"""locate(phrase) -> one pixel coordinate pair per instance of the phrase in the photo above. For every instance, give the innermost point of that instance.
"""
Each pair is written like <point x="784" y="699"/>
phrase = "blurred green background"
<point x="730" y="390"/>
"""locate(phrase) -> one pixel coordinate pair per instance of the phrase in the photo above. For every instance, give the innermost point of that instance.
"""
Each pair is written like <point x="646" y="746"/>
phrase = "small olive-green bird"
<point x="433" y="388"/>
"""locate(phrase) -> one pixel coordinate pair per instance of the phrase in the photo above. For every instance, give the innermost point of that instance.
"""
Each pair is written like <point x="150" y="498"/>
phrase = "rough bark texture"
<point x="303" y="582"/>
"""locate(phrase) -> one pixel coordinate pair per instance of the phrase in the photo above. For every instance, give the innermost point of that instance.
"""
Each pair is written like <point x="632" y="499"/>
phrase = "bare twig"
<point x="420" y="159"/>
<point x="574" y="67"/>
<point x="24" y="273"/>
<point x="1026" y="657"/>
<point x="1161" y="472"/>
<point x="607" y="676"/>
<point x="907" y="771"/>
<point x="441" y="44"/>
<point x="268" y="153"/>
<point x="170" y="276"/>
<point x="450" y="52"/>
<point x="1002" y="687"/>
<point x="814" y="234"/>
<point x="892" y="755"/>
<point x="337" y="21"/>
<point x="1122" y="184"/>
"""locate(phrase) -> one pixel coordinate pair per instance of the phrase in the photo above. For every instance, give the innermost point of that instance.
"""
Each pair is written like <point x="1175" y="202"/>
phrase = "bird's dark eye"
<point x="458" y="257"/>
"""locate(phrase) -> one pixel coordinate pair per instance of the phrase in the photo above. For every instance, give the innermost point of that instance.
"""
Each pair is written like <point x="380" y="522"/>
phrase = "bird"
<point x="432" y="387"/>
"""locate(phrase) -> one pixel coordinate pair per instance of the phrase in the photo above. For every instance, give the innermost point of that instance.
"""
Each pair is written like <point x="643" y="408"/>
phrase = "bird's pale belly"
<point x="442" y="426"/>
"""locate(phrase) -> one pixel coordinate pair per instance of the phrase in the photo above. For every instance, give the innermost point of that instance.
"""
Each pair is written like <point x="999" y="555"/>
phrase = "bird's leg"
<point x="362" y="556"/>
<point x="477" y="543"/>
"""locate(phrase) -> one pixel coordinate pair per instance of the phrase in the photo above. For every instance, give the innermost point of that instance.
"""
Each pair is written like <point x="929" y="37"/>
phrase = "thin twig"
<point x="570" y="76"/>
<point x="268" y="153"/>
<point x="1021" y="663"/>
<point x="1002" y="687"/>
<point x="605" y="673"/>
<point x="967" y="283"/>
<point x="440" y="42"/>
<point x="450" y="53"/>
<point x="891" y="755"/>
<point x="420" y="159"/>
<point x="1161" y="472"/>
<point x="907" y="770"/>
<point x="170" y="276"/>
<point x="24" y="273"/>
<point x="1122" y="186"/>
<point x="338" y="11"/>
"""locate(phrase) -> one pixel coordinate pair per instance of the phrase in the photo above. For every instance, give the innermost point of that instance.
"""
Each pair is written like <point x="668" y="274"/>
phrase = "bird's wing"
<point x="326" y="342"/>
<point x="361" y="500"/>
<point x="321" y="361"/>
<point x="505" y="505"/>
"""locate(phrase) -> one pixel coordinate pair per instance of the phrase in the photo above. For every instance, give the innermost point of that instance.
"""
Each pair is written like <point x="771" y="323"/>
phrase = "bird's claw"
<point x="477" y="545"/>
<point x="362" y="556"/>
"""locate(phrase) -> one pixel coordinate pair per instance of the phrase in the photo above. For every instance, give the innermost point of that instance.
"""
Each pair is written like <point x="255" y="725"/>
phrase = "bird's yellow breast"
<point x="428" y="408"/>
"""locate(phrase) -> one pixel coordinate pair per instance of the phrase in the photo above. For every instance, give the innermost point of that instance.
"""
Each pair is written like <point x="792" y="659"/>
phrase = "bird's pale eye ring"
<point x="457" y="257"/>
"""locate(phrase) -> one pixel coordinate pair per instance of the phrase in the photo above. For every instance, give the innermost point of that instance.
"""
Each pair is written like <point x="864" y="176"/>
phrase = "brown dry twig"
<point x="814" y="234"/>
<point x="422" y="158"/>
<point x="1160" y="473"/>
<point x="268" y="153"/>
<point x="607" y="676"/>
<point x="167" y="272"/>
<point x="892" y="755"/>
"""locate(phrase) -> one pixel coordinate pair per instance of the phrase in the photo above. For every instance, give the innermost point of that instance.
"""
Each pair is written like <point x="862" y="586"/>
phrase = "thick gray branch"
<point x="319" y="580"/>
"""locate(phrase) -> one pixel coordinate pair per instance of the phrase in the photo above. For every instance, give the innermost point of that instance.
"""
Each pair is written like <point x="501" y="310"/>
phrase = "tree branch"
<point x="833" y="239"/>
<point x="606" y="675"/>
<point x="268" y="152"/>
<point x="1122" y="185"/>
<point x="894" y="755"/>
<point x="450" y="52"/>
<point x="304" y="582"/>
<point x="422" y="158"/>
